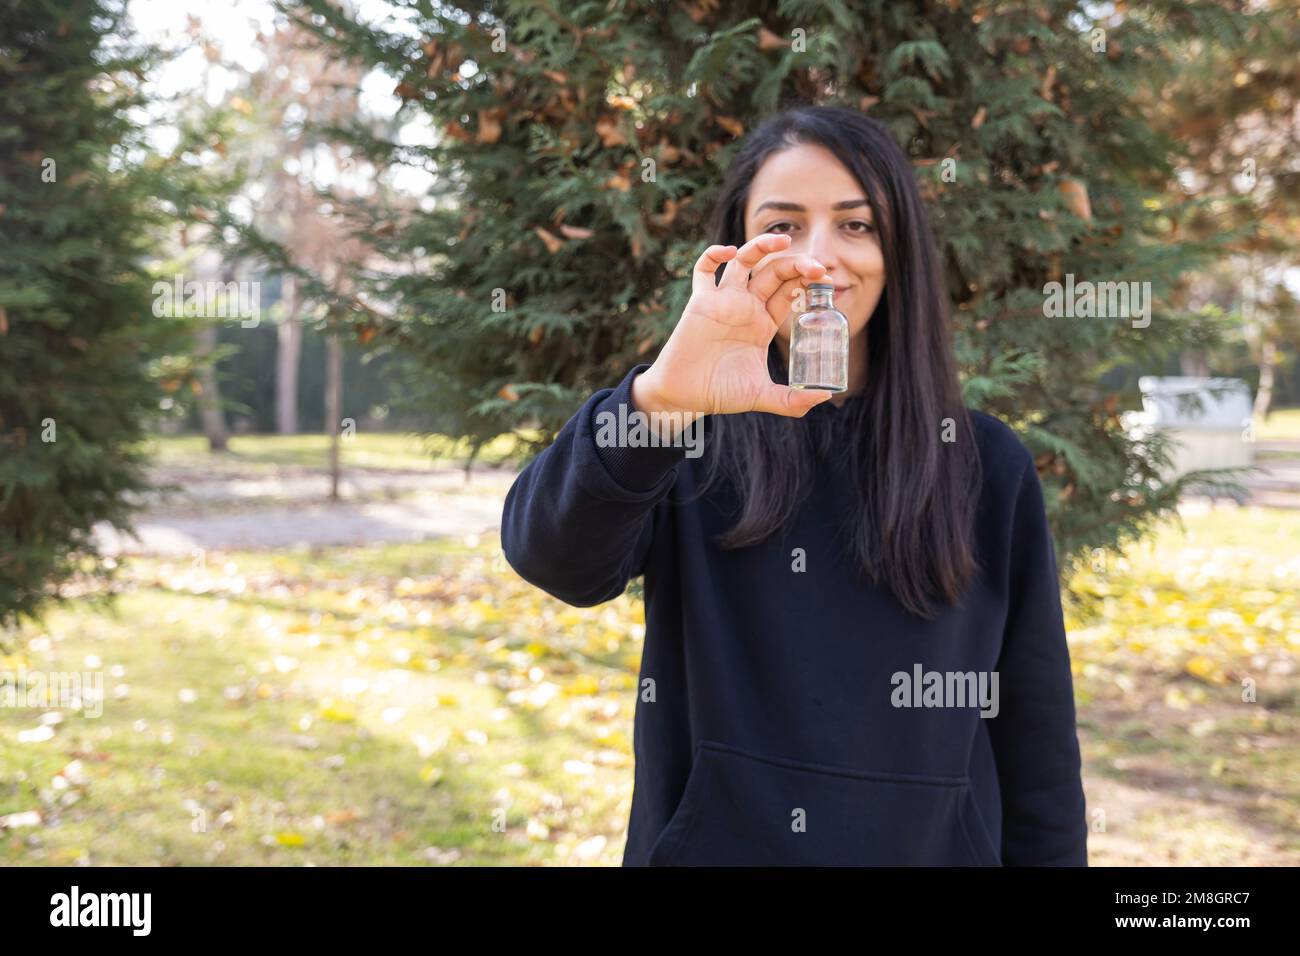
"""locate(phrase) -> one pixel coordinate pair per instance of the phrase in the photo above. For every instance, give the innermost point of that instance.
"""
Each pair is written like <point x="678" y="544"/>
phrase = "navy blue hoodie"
<point x="790" y="717"/>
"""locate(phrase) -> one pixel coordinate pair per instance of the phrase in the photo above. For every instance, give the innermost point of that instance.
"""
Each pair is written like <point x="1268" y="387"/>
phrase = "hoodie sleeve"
<point x="1034" y="738"/>
<point x="579" y="519"/>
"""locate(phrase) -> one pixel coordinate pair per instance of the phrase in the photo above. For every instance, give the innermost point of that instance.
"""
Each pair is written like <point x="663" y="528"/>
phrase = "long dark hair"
<point x="914" y="532"/>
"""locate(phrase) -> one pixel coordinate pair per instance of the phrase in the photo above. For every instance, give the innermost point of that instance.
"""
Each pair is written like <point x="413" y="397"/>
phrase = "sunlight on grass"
<point x="399" y="705"/>
<point x="364" y="450"/>
<point x="1185" y="660"/>
<point x="1282" y="423"/>
<point x="418" y="703"/>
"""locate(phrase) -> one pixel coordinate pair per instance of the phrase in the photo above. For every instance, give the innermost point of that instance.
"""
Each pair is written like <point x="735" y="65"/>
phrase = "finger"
<point x="750" y="255"/>
<point x="790" y="402"/>
<point x="704" y="277"/>
<point x="789" y="299"/>
<point x="769" y="278"/>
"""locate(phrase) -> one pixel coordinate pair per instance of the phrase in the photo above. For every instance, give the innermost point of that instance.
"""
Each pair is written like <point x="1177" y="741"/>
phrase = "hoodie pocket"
<point x="745" y="809"/>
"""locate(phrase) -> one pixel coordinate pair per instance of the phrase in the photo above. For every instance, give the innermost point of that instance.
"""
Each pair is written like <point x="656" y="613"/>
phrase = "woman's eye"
<point x="857" y="225"/>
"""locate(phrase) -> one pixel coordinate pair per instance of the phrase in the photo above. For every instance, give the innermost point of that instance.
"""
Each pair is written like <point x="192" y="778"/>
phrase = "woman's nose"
<point x="821" y="246"/>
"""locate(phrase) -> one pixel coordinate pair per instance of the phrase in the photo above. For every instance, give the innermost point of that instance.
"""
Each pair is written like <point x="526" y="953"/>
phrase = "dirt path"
<point x="291" y="508"/>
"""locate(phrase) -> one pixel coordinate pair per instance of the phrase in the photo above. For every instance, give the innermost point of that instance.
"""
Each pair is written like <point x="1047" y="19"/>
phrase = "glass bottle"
<point x="819" y="343"/>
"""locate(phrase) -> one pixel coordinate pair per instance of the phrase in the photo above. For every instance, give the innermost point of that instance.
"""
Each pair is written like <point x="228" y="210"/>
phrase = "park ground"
<point x="289" y="680"/>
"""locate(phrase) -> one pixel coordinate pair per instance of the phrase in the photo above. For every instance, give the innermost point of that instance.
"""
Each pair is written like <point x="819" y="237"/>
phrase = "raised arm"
<point x="579" y="519"/>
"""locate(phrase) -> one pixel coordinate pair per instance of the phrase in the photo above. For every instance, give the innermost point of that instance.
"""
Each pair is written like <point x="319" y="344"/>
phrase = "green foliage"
<point x="77" y="334"/>
<point x="578" y="148"/>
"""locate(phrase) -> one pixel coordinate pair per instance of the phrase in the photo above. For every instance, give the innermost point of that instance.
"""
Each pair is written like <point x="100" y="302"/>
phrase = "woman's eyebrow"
<point x="795" y="207"/>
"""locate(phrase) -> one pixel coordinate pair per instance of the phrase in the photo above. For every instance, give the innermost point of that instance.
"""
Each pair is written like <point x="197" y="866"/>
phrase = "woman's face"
<point x="805" y="191"/>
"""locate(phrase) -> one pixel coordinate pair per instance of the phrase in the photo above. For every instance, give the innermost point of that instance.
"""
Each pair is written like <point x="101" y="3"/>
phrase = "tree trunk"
<point x="1267" y="363"/>
<point x="211" y="416"/>
<point x="334" y="404"/>
<point x="1195" y="365"/>
<point x="287" y="360"/>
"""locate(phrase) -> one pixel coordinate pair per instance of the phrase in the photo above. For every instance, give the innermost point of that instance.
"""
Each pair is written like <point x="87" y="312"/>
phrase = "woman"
<point x="855" y="651"/>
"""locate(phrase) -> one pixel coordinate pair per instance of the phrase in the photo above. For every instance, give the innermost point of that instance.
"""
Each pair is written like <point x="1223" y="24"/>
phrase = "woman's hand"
<point x="715" y="361"/>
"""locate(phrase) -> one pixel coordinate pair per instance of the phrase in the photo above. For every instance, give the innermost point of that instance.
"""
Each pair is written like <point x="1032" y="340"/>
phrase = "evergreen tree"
<point x="577" y="148"/>
<point x="78" y="340"/>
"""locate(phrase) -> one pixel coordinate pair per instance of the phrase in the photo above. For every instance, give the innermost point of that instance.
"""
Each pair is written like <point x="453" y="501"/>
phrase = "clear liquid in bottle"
<point x="819" y="343"/>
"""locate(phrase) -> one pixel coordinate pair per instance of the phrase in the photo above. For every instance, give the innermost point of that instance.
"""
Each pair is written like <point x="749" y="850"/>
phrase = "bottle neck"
<point x="820" y="298"/>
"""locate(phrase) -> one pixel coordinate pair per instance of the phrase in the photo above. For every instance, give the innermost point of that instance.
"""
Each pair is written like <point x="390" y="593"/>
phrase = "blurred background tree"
<point x="290" y="223"/>
<point x="1237" y="113"/>
<point x="273" y="183"/>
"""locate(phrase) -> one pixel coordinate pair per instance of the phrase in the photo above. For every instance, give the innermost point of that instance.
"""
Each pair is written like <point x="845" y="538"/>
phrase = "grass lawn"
<point x="420" y="704"/>
<point x="1282" y="423"/>
<point x="394" y="705"/>
<point x="1183" y="628"/>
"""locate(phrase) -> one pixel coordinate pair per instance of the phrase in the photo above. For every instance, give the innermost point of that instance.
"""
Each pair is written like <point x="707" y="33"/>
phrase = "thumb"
<point x="791" y="402"/>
